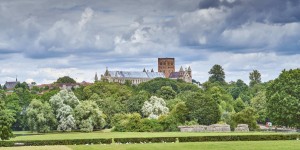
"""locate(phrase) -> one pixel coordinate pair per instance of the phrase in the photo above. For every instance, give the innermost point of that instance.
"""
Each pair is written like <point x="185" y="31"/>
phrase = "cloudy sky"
<point x="41" y="40"/>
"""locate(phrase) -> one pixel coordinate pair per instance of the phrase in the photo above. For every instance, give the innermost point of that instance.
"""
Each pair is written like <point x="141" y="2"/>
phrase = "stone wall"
<point x="219" y="128"/>
<point x="242" y="128"/>
<point x="202" y="128"/>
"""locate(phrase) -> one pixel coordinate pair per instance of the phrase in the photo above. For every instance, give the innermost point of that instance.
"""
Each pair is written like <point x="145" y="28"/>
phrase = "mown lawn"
<point x="79" y="135"/>
<point x="237" y="145"/>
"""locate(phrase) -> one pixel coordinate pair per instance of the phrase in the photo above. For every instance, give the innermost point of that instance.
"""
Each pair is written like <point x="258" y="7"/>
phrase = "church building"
<point x="167" y="66"/>
<point x="166" y="69"/>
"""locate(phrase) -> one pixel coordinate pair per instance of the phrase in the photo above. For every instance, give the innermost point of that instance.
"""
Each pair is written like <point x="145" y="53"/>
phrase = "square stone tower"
<point x="166" y="65"/>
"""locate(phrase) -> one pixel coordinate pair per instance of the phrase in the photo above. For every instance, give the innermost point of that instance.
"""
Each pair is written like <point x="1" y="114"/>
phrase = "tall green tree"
<point x="88" y="116"/>
<point x="258" y="103"/>
<point x="40" y="116"/>
<point x="217" y="74"/>
<point x="202" y="108"/>
<point x="255" y="77"/>
<point x="283" y="99"/>
<point x="6" y="121"/>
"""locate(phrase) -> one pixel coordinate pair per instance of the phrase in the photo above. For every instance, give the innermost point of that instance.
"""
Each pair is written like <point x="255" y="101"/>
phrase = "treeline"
<point x="156" y="105"/>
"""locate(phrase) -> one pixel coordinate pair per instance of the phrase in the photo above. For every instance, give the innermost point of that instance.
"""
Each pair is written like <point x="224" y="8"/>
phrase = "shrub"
<point x="150" y="125"/>
<point x="126" y="122"/>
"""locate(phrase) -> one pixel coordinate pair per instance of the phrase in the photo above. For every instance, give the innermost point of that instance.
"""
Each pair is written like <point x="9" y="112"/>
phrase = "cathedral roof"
<point x="174" y="75"/>
<point x="136" y="74"/>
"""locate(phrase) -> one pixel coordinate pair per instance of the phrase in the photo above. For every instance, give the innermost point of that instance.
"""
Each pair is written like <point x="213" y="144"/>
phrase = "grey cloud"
<point x="123" y="33"/>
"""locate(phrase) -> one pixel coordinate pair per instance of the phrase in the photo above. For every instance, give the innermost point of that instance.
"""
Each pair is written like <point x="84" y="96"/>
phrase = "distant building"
<point x="134" y="77"/>
<point x="167" y="66"/>
<point x="67" y="86"/>
<point x="185" y="75"/>
<point x="11" y="84"/>
<point x="166" y="69"/>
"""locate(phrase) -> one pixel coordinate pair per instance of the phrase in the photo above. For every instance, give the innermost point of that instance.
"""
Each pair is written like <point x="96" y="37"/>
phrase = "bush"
<point x="239" y="138"/>
<point x="150" y="125"/>
<point x="145" y="140"/>
<point x="154" y="140"/>
<point x="126" y="122"/>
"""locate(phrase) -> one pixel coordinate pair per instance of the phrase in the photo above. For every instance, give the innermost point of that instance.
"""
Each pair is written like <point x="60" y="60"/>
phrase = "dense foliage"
<point x="283" y="99"/>
<point x="65" y="79"/>
<point x="157" y="105"/>
<point x="6" y="121"/>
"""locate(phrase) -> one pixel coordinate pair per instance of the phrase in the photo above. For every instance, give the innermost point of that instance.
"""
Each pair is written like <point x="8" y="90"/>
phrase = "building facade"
<point x="166" y="69"/>
<point x="134" y="77"/>
<point x="185" y="75"/>
<point x="11" y="84"/>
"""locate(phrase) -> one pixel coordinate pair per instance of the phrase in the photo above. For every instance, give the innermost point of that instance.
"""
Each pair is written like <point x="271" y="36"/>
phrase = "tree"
<point x="66" y="119"/>
<point x="255" y="77"/>
<point x="6" y="121"/>
<point x="153" y="86"/>
<point x="63" y="104"/>
<point x="109" y="105"/>
<point x="23" y="85"/>
<point x="47" y="95"/>
<point x="283" y="99"/>
<point x="239" y="105"/>
<point x="63" y="97"/>
<point x="246" y="116"/>
<point x="202" y="108"/>
<point x="17" y="102"/>
<point x="167" y="93"/>
<point x="65" y="79"/>
<point x="154" y="107"/>
<point x="88" y="116"/>
<point x="258" y="103"/>
<point x="217" y="74"/>
<point x="136" y="102"/>
<point x="40" y="116"/>
<point x="175" y="118"/>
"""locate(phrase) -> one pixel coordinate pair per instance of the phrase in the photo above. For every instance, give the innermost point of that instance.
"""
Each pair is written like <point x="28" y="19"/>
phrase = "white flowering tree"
<point x="154" y="108"/>
<point x="63" y="104"/>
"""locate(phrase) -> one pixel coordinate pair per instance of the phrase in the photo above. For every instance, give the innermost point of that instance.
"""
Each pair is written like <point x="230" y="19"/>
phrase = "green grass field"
<point x="79" y="135"/>
<point x="237" y="145"/>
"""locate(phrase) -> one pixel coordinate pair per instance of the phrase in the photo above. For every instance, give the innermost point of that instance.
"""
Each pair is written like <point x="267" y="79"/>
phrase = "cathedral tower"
<point x="166" y="65"/>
